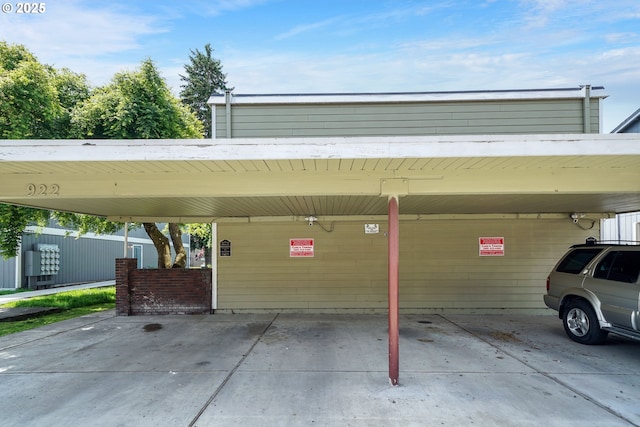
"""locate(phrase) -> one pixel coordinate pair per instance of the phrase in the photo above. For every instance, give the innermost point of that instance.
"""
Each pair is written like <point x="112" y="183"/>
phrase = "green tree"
<point x="138" y="104"/>
<point x="36" y="99"/>
<point x="84" y="224"/>
<point x="13" y="221"/>
<point x="200" y="239"/>
<point x="35" y="102"/>
<point x="72" y="89"/>
<point x="203" y="78"/>
<point x="28" y="99"/>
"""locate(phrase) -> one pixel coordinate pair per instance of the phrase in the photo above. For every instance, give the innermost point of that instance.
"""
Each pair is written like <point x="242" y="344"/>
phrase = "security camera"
<point x="311" y="220"/>
<point x="310" y="223"/>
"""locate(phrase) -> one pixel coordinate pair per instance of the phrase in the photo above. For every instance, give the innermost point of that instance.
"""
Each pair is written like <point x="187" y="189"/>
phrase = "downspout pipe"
<point x="213" y="121"/>
<point x="587" y="109"/>
<point x="227" y="100"/>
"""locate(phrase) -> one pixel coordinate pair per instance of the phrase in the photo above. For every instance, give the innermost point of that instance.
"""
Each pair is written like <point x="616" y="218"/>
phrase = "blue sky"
<point x="286" y="46"/>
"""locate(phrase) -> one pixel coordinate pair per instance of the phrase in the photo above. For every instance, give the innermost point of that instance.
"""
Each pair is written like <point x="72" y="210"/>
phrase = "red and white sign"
<point x="300" y="248"/>
<point x="491" y="246"/>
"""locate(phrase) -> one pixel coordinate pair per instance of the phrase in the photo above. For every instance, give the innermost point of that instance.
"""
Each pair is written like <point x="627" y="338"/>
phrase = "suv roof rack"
<point x="592" y="241"/>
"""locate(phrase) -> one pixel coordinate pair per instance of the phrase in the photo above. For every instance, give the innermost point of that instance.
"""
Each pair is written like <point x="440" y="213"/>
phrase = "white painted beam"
<point x="463" y="146"/>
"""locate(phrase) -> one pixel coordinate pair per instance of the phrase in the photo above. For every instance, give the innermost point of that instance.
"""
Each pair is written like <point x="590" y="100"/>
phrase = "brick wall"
<point x="161" y="291"/>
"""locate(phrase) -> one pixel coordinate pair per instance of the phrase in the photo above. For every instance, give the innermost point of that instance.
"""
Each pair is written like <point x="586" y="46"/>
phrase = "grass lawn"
<point x="13" y="291"/>
<point x="72" y="303"/>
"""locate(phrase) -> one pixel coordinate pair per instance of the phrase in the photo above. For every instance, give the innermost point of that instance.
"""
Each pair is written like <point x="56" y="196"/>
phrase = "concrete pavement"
<point x="314" y="370"/>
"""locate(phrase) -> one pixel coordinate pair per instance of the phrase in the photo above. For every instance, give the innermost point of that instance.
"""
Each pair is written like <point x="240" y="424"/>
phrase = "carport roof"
<point x="206" y="180"/>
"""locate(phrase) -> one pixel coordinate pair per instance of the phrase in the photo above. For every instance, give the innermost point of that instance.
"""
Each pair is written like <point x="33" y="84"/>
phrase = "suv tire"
<point x="581" y="323"/>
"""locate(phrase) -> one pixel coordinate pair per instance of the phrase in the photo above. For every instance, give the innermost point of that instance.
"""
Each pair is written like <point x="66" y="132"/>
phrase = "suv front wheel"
<point x="581" y="323"/>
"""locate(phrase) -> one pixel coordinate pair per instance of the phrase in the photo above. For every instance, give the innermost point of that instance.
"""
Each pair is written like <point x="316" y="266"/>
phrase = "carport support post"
<point x="126" y="240"/>
<point x="394" y="274"/>
<point x="214" y="266"/>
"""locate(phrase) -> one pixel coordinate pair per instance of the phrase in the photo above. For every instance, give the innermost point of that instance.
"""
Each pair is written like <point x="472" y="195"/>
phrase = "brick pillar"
<point x="123" y="288"/>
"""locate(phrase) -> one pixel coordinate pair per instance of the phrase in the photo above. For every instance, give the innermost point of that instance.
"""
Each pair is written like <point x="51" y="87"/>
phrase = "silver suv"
<point x="596" y="290"/>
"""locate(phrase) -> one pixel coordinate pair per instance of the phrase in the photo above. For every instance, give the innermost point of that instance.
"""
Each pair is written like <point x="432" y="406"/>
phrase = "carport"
<point x="497" y="156"/>
<point x="257" y="179"/>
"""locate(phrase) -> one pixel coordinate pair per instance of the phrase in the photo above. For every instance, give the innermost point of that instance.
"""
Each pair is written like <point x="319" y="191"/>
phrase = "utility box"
<point x="32" y="262"/>
<point x="41" y="264"/>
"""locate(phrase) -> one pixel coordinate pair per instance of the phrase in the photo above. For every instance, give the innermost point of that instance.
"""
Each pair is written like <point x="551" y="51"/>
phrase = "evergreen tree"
<point x="203" y="78"/>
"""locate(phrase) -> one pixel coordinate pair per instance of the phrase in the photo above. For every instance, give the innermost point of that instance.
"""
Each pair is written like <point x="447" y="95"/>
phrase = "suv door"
<point x="615" y="282"/>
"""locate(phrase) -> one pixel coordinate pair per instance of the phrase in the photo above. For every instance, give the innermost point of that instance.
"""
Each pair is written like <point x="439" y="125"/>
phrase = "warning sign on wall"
<point x="300" y="248"/>
<point x="491" y="246"/>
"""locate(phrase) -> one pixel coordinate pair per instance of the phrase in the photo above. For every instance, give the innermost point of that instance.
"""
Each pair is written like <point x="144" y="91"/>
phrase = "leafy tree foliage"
<point x="11" y="56"/>
<point x="72" y="89"/>
<point x="13" y="221"/>
<point x="35" y="102"/>
<point x="88" y="223"/>
<point x="200" y="235"/>
<point x="203" y="78"/>
<point x="38" y="101"/>
<point x="138" y="104"/>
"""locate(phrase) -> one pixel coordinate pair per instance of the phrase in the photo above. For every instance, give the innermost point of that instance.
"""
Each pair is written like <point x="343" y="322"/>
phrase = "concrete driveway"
<point x="314" y="370"/>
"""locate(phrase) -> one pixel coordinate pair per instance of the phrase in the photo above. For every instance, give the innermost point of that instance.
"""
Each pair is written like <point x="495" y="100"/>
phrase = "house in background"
<point x="624" y="227"/>
<point x="629" y="125"/>
<point x="70" y="259"/>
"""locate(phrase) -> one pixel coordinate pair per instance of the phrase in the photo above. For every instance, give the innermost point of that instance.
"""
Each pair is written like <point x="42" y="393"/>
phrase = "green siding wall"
<point x="439" y="266"/>
<point x="434" y="118"/>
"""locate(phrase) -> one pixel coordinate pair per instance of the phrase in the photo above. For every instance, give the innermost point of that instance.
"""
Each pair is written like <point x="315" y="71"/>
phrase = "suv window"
<point x="620" y="266"/>
<point x="577" y="260"/>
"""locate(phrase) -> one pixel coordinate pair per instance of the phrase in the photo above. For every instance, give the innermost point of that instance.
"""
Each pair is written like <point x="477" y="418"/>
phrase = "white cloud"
<point x="218" y="7"/>
<point x="547" y="43"/>
<point x="448" y="44"/>
<point x="71" y="28"/>
<point x="623" y="38"/>
<point x="436" y="66"/>
<point x="79" y="35"/>
<point x="299" y="29"/>
<point x="355" y="23"/>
